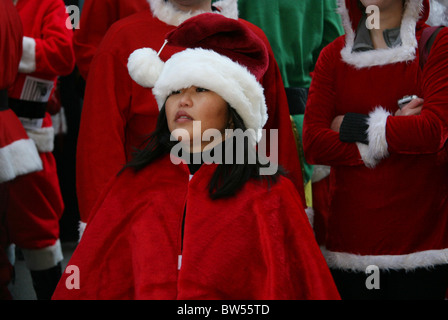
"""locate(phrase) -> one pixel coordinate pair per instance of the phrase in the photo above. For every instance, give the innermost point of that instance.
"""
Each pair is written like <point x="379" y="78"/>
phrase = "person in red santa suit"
<point x="96" y="18"/>
<point x="389" y="165"/>
<point x="35" y="203"/>
<point x="175" y="224"/>
<point x="18" y="153"/>
<point x="118" y="113"/>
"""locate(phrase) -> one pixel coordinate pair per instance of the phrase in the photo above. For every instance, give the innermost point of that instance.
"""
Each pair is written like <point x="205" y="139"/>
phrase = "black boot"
<point x="45" y="281"/>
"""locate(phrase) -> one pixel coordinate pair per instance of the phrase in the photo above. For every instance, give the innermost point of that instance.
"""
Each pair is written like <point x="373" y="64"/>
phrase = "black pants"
<point x="419" y="284"/>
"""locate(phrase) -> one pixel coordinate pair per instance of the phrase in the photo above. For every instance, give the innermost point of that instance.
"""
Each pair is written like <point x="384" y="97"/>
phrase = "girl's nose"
<point x="185" y="99"/>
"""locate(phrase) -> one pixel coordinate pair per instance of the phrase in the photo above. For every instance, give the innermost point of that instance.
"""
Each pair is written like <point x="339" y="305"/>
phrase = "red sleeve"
<point x="54" y="50"/>
<point x="102" y="124"/>
<point x="427" y="132"/>
<point x="96" y="18"/>
<point x="321" y="144"/>
<point x="279" y="118"/>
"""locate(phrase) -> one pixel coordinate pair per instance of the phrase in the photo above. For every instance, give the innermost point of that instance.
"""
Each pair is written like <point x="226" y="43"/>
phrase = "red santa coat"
<point x="33" y="219"/>
<point x="389" y="200"/>
<point x="255" y="245"/>
<point x="118" y="113"/>
<point x="96" y="18"/>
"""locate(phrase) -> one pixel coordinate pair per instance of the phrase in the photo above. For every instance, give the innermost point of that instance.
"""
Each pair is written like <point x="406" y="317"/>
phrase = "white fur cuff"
<point x="43" y="138"/>
<point x="377" y="148"/>
<point x="43" y="259"/>
<point x="28" y="60"/>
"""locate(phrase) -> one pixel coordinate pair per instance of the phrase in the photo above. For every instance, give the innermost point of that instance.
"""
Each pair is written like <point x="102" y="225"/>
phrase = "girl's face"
<point x="196" y="106"/>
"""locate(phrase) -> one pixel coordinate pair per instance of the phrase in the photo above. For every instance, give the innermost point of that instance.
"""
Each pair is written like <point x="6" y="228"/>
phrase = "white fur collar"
<point x="166" y="12"/>
<point x="403" y="53"/>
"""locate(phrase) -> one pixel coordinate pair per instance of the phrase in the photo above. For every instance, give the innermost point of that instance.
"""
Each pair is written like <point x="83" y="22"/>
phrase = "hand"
<point x="413" y="108"/>
<point x="336" y="124"/>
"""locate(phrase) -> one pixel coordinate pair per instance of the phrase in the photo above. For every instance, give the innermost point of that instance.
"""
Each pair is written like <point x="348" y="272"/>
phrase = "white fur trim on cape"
<point x="43" y="138"/>
<point x="376" y="150"/>
<point x="19" y="158"/>
<point x="28" y="61"/>
<point x="145" y="67"/>
<point x="359" y="263"/>
<point x="320" y="172"/>
<point x="43" y="259"/>
<point x="405" y="52"/>
<point x="215" y="72"/>
<point x="165" y="11"/>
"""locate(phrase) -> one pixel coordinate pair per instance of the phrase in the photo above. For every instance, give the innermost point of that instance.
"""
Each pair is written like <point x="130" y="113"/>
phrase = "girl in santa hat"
<point x="118" y="112"/>
<point x="169" y="229"/>
<point x="386" y="233"/>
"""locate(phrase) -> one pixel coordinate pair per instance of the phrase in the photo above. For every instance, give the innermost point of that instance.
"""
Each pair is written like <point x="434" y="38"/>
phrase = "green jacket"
<point x="297" y="31"/>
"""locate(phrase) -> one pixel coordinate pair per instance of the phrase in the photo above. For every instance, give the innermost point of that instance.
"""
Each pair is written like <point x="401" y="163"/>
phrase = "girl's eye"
<point x="175" y="92"/>
<point x="201" y="90"/>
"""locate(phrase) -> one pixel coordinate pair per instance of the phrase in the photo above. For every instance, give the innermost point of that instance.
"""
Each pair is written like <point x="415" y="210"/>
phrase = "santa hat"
<point x="221" y="54"/>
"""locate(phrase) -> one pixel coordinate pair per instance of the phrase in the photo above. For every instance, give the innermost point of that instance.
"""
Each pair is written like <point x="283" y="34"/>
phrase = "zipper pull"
<point x="179" y="261"/>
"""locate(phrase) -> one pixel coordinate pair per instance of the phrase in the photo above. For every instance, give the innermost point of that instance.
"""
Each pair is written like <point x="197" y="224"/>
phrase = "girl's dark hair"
<point x="227" y="179"/>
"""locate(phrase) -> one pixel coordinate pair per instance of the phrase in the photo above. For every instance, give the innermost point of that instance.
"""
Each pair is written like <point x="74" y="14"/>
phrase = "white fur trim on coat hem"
<point x="43" y="259"/>
<point x="411" y="261"/>
<point x="43" y="138"/>
<point x="168" y="13"/>
<point x="19" y="158"/>
<point x="404" y="53"/>
<point x="28" y="61"/>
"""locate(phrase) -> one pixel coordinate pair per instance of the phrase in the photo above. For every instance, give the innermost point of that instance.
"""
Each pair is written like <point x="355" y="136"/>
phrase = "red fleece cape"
<point x="256" y="245"/>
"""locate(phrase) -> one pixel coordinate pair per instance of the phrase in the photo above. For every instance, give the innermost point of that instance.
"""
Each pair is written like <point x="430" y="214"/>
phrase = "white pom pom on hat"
<point x="145" y="67"/>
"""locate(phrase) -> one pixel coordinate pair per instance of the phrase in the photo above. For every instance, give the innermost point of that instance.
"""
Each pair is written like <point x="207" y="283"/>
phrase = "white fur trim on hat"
<point x="405" y="52"/>
<point x="168" y="13"/>
<point x="359" y="263"/>
<point x="18" y="158"/>
<point x="145" y="66"/>
<point x="28" y="61"/>
<point x="218" y="73"/>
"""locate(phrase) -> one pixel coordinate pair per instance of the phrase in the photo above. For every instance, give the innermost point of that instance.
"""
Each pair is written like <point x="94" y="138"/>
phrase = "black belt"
<point x="4" y="100"/>
<point x="28" y="109"/>
<point x="297" y="98"/>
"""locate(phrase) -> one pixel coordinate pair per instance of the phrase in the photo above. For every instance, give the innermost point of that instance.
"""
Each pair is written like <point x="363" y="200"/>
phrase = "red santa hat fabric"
<point x="221" y="55"/>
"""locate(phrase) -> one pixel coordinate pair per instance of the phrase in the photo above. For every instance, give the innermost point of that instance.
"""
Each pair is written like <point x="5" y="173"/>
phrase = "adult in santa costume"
<point x="388" y="183"/>
<point x="118" y="113"/>
<point x="18" y="153"/>
<point x="168" y="229"/>
<point x="35" y="203"/>
<point x="96" y="18"/>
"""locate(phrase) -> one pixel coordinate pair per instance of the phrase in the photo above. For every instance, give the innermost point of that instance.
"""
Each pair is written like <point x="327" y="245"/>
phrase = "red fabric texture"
<point x="118" y="114"/>
<point x="35" y="206"/>
<point x="400" y="206"/>
<point x="45" y="22"/>
<point x="10" y="43"/>
<point x="96" y="18"/>
<point x="255" y="245"/>
<point x="11" y="129"/>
